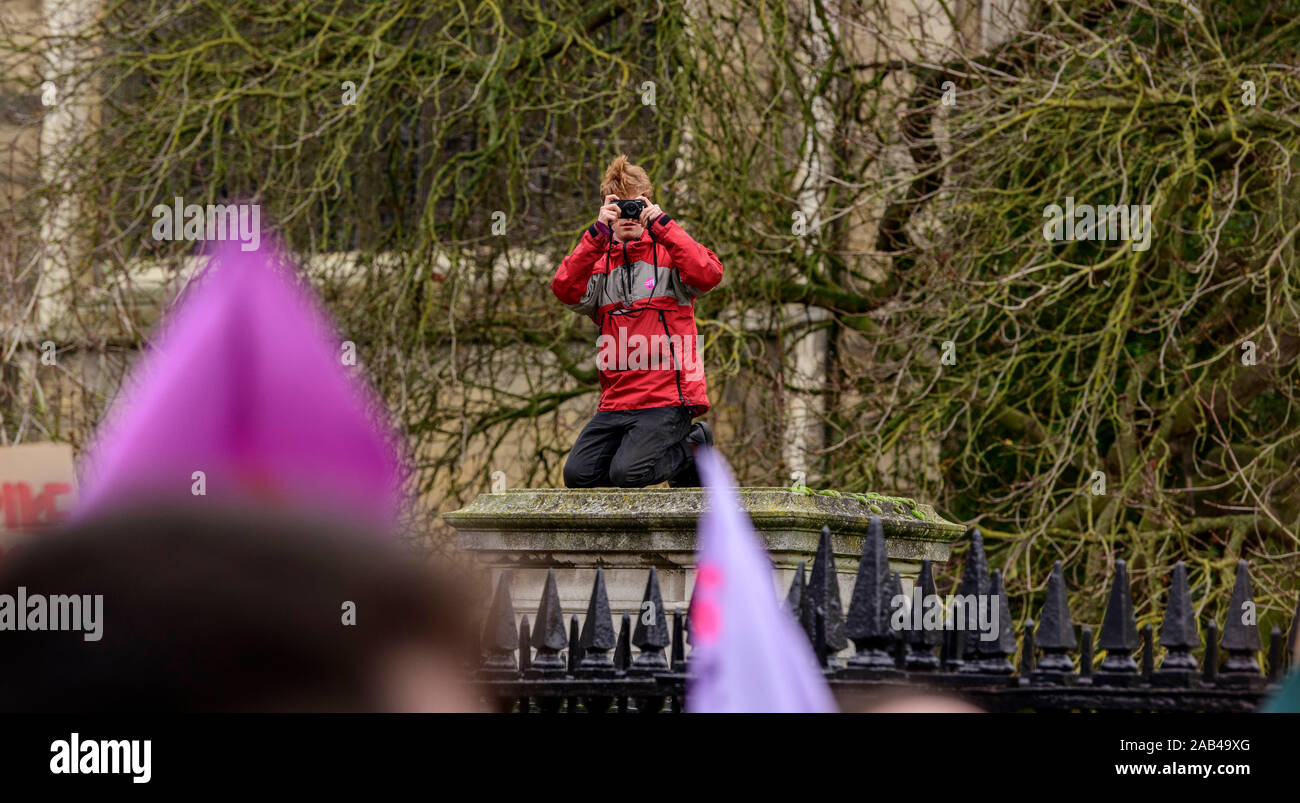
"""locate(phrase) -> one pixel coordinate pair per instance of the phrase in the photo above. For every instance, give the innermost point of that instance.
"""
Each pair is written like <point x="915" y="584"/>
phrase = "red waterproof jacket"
<point x="641" y="296"/>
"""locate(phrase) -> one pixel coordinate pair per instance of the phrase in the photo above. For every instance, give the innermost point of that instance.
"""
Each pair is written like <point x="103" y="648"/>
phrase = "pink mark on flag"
<point x="708" y="576"/>
<point x="705" y="615"/>
<point x="706" y="621"/>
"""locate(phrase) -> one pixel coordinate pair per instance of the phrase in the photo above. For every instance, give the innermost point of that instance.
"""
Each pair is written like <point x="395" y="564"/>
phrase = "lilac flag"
<point x="246" y="384"/>
<point x="747" y="652"/>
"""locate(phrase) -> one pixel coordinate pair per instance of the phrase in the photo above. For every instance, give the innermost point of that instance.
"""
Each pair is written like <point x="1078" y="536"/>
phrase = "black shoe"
<point x="701" y="435"/>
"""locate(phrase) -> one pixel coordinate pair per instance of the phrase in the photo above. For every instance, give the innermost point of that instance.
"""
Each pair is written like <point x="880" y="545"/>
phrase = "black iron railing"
<point x="542" y="666"/>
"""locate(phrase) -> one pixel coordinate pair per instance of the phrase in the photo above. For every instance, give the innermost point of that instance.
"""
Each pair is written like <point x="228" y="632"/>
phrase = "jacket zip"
<point x="677" y="370"/>
<point x="627" y="275"/>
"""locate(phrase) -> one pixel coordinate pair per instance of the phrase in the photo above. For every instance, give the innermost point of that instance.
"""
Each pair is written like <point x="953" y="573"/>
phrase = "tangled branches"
<point x="1166" y="374"/>
<point x="920" y="144"/>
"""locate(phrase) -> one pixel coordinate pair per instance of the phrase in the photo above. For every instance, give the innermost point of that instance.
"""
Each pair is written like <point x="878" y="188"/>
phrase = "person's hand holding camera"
<point x="650" y="212"/>
<point x="609" y="212"/>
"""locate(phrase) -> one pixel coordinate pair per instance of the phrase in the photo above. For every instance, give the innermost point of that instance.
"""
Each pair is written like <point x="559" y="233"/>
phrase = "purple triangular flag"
<point x="246" y="384"/>
<point x="748" y="654"/>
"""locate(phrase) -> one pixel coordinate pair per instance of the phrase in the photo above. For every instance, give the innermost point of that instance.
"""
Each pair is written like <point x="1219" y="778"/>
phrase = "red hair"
<point x="625" y="181"/>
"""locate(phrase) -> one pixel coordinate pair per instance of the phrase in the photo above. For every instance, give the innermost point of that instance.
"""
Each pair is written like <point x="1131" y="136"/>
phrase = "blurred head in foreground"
<point x="235" y="611"/>
<point x="917" y="701"/>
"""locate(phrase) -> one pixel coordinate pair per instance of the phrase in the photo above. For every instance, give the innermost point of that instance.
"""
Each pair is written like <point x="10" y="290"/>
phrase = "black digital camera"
<point x="631" y="210"/>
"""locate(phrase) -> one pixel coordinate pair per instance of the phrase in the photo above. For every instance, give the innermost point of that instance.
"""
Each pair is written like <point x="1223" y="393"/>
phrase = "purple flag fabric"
<point x="747" y="652"/>
<point x="245" y="383"/>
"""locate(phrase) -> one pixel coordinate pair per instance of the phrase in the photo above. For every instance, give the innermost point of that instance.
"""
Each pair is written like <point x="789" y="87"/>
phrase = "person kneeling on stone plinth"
<point x="636" y="273"/>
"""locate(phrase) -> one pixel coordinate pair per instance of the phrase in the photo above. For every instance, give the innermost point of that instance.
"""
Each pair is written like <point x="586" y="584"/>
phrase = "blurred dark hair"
<point x="242" y="610"/>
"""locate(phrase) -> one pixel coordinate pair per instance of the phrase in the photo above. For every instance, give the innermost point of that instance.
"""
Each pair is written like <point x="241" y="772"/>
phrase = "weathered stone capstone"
<point x="627" y="531"/>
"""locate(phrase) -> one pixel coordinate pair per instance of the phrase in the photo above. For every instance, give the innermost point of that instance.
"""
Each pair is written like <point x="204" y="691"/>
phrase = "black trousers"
<point x="630" y="448"/>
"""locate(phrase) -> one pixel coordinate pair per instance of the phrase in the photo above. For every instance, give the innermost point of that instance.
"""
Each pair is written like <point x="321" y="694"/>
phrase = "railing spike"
<point x="819" y="643"/>
<point x="974" y="583"/>
<point x="1027" y="651"/>
<point x="623" y="652"/>
<point x="1275" y="649"/>
<point x="500" y="639"/>
<point x="868" y="623"/>
<point x="575" y="655"/>
<point x="1148" y="653"/>
<point x="894" y="591"/>
<point x="1210" y="673"/>
<point x="1178" y="633"/>
<point x="823" y="594"/>
<point x="678" y="652"/>
<point x="575" y="648"/>
<point x="796" y="600"/>
<point x="947" y="647"/>
<point x="995" y="653"/>
<point x="1055" y="633"/>
<point x="549" y="637"/>
<point x="1119" y="637"/>
<point x="1085" y="656"/>
<point x="1241" y="639"/>
<point x="651" y="637"/>
<point x="525" y="643"/>
<point x="597" y="633"/>
<point x="922" y="641"/>
<point x="525" y="659"/>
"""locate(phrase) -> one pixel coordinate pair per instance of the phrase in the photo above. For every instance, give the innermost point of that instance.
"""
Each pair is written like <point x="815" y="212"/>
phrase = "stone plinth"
<point x="628" y="531"/>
